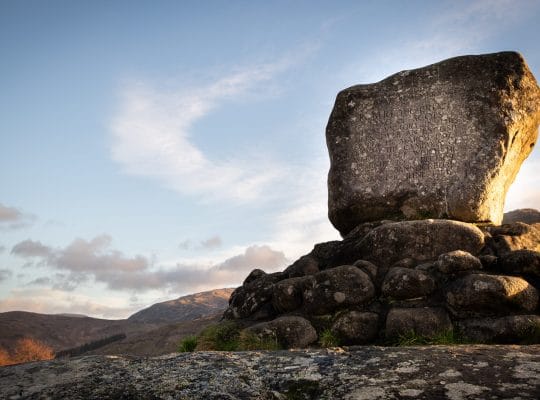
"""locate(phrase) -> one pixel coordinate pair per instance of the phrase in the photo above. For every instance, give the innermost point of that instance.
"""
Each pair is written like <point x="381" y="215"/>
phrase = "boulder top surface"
<point x="442" y="141"/>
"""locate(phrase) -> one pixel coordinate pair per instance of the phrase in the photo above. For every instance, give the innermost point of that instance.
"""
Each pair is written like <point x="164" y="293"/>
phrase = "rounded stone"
<point x="287" y="294"/>
<point x="289" y="331"/>
<point x="482" y="294"/>
<point x="458" y="261"/>
<point x="338" y="287"/>
<point x="425" y="321"/>
<point x="422" y="240"/>
<point x="356" y="327"/>
<point x="508" y="329"/>
<point x="520" y="262"/>
<point x="405" y="283"/>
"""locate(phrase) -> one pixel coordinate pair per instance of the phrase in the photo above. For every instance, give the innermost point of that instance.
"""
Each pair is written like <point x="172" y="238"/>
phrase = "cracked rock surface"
<point x="435" y="372"/>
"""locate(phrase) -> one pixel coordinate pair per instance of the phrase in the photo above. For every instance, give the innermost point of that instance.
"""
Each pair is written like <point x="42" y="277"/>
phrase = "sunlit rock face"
<point x="443" y="141"/>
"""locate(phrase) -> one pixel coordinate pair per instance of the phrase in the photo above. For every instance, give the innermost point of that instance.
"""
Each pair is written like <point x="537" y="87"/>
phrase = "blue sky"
<point x="150" y="149"/>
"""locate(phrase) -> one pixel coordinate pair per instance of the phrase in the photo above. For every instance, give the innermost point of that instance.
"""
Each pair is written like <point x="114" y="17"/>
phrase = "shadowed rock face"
<point x="443" y="141"/>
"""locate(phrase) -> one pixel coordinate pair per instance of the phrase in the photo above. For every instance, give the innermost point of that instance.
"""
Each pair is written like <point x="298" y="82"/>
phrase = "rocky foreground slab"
<point x="435" y="372"/>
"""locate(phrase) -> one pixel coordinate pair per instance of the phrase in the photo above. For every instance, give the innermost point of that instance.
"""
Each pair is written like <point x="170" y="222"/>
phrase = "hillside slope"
<point x="185" y="308"/>
<point x="154" y="330"/>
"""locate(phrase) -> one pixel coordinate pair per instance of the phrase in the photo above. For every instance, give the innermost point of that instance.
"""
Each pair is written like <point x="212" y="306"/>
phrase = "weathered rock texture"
<point x="387" y="280"/>
<point x="443" y="141"/>
<point x="458" y="372"/>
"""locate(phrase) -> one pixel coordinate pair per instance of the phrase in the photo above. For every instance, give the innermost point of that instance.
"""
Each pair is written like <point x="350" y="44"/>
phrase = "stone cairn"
<point x="420" y="164"/>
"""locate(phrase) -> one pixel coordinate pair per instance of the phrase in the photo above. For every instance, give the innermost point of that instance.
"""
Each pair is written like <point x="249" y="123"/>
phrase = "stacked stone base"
<point x="387" y="280"/>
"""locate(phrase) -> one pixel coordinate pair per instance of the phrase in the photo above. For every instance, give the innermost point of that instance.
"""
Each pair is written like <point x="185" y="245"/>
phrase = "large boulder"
<point x="443" y="141"/>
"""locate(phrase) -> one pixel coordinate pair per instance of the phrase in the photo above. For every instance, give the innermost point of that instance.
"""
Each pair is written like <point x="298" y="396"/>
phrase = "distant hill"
<point x="185" y="308"/>
<point x="154" y="330"/>
<point x="158" y="341"/>
<point x="57" y="331"/>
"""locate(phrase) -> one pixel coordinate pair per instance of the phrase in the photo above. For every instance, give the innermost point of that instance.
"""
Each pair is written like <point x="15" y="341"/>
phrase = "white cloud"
<point x="151" y="137"/>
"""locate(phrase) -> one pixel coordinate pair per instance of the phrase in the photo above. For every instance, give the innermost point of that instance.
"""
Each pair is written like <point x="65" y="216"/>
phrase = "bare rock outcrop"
<point x="436" y="372"/>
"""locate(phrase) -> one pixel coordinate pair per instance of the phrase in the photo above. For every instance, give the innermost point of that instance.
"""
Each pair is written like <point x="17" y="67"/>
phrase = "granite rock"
<point x="426" y="321"/>
<point x="354" y="327"/>
<point x="443" y="141"/>
<point x="483" y="294"/>
<point x="508" y="329"/>
<point x="516" y="236"/>
<point x="421" y="240"/>
<point x="336" y="288"/>
<point x="367" y="372"/>
<point x="289" y="331"/>
<point x="406" y="283"/>
<point x="458" y="261"/>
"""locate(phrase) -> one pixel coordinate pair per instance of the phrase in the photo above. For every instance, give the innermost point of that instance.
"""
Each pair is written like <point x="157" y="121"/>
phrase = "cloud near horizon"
<point x="95" y="259"/>
<point x="12" y="218"/>
<point x="53" y="301"/>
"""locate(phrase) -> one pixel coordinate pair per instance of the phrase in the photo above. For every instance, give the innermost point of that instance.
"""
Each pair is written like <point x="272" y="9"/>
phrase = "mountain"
<point x="154" y="330"/>
<point x="185" y="308"/>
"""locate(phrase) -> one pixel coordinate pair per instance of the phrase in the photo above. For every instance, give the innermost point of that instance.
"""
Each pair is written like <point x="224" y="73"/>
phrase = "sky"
<point x="152" y="149"/>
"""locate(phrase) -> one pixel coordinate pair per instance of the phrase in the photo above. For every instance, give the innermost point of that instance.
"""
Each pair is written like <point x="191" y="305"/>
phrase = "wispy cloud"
<point x="151" y="136"/>
<point x="12" y="218"/>
<point x="464" y="27"/>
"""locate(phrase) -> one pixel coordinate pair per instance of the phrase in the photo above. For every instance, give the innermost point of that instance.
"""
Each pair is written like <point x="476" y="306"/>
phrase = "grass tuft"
<point x="188" y="344"/>
<point x="328" y="339"/>
<point x="411" y="338"/>
<point x="220" y="337"/>
<point x="228" y="336"/>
